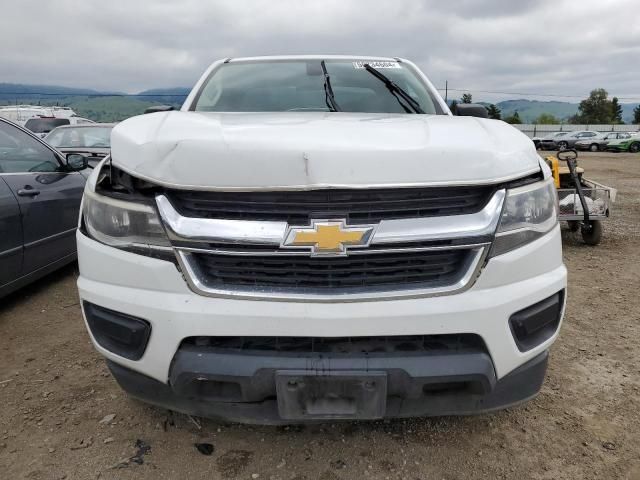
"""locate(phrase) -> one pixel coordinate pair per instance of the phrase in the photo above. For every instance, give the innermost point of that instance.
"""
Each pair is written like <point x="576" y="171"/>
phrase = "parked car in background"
<point x="41" y="126"/>
<point x="545" y="142"/>
<point x="630" y="144"/>
<point x="21" y="113"/>
<point x="600" y="141"/>
<point x="569" y="140"/>
<point x="92" y="140"/>
<point x="40" y="193"/>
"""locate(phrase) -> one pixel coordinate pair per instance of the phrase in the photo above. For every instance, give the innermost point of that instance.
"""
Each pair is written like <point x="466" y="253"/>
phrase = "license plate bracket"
<point x="353" y="395"/>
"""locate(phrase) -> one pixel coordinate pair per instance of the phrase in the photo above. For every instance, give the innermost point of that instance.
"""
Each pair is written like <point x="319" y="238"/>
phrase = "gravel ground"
<point x="63" y="416"/>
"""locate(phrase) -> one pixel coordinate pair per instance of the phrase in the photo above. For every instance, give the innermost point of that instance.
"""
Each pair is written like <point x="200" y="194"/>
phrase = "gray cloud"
<point x="538" y="46"/>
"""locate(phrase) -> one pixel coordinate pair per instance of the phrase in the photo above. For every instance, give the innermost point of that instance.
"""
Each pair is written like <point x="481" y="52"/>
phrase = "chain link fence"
<point x="533" y="130"/>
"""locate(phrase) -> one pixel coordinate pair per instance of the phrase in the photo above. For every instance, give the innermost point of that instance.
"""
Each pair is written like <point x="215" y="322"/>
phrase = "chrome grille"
<point x="248" y="257"/>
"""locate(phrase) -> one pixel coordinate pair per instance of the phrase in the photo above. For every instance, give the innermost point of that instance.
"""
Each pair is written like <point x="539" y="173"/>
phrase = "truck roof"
<point x="311" y="57"/>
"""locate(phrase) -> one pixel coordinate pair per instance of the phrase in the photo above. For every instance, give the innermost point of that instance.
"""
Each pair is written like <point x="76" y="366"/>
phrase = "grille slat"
<point x="366" y="205"/>
<point x="366" y="345"/>
<point x="393" y="270"/>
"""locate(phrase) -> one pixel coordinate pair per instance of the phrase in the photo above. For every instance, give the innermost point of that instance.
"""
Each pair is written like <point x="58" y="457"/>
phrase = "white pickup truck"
<point x="318" y="238"/>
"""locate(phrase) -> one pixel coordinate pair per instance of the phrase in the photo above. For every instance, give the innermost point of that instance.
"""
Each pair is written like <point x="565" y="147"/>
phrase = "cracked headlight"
<point x="123" y="224"/>
<point x="529" y="212"/>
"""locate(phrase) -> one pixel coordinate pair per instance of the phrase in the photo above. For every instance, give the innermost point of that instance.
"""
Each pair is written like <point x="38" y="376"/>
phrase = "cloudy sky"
<point x="564" y="47"/>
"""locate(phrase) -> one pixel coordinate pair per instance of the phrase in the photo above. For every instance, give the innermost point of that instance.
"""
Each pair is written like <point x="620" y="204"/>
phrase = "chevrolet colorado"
<point x="309" y="239"/>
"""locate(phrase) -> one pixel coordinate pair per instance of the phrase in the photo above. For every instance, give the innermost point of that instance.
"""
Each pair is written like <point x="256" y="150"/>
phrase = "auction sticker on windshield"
<point x="376" y="64"/>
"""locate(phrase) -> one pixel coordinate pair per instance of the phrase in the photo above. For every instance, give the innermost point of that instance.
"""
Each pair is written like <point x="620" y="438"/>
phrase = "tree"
<point x="595" y="109"/>
<point x="466" y="98"/>
<point x="513" y="119"/>
<point x="494" y="112"/>
<point x="636" y="115"/>
<point x="546" y="119"/>
<point x="616" y="110"/>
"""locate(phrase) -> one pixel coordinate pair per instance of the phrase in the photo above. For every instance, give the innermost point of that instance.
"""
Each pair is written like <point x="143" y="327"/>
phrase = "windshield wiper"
<point x="395" y="89"/>
<point x="329" y="99"/>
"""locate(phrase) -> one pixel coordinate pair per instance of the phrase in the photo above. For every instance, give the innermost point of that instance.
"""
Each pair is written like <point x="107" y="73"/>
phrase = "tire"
<point x="634" y="147"/>
<point x="594" y="147"/>
<point x="574" y="225"/>
<point x="593" y="234"/>
<point x="562" y="146"/>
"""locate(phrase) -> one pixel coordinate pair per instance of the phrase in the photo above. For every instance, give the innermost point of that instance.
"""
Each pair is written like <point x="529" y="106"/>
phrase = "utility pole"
<point x="446" y="91"/>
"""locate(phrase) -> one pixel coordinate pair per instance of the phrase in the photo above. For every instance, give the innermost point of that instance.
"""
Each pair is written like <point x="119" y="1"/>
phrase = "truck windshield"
<point x="299" y="85"/>
<point x="45" y="125"/>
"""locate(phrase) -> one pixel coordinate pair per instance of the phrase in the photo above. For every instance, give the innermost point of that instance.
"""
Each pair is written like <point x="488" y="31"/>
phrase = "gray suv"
<point x="567" y="141"/>
<point x="40" y="193"/>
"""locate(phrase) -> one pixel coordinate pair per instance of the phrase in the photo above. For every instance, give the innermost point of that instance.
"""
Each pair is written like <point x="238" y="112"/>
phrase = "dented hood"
<point x="298" y="150"/>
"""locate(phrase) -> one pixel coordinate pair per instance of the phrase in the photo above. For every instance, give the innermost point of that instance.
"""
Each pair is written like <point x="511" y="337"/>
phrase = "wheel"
<point x="594" y="147"/>
<point x="634" y="147"/>
<point x="562" y="146"/>
<point x="574" y="225"/>
<point x="592" y="232"/>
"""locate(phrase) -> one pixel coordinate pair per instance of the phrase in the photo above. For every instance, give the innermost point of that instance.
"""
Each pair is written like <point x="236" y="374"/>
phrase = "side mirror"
<point x="471" y="110"/>
<point x="159" y="108"/>
<point x="76" y="162"/>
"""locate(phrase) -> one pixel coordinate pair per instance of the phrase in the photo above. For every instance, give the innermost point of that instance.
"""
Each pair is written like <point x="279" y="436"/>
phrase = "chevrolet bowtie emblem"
<point x="328" y="237"/>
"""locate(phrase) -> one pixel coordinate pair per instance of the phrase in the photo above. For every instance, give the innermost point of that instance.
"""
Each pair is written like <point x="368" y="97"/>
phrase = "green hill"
<point x="92" y="104"/>
<point x="12" y="93"/>
<point x="109" y="109"/>
<point x="175" y="95"/>
<point x="529" y="110"/>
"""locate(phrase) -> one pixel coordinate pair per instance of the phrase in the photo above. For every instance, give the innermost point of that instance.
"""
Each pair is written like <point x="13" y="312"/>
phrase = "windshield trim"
<point x="419" y="76"/>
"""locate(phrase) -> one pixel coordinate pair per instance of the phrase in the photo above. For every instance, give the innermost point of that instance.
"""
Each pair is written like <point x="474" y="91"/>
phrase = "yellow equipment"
<point x="582" y="203"/>
<point x="552" y="161"/>
<point x="561" y="173"/>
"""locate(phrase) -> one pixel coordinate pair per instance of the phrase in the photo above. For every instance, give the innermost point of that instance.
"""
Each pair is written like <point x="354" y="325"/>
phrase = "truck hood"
<point x="305" y="150"/>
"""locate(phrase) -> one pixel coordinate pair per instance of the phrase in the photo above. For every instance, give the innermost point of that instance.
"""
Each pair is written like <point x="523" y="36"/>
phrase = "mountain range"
<point x="529" y="110"/>
<point x="106" y="106"/>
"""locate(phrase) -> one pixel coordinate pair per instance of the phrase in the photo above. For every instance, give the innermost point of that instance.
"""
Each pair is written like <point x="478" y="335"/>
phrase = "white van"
<point x="41" y="120"/>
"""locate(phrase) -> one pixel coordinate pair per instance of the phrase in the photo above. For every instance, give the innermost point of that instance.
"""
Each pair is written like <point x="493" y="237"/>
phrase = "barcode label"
<point x="376" y="64"/>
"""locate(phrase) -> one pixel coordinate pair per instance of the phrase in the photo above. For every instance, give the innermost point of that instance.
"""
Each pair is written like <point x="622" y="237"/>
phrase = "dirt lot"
<point x="55" y="390"/>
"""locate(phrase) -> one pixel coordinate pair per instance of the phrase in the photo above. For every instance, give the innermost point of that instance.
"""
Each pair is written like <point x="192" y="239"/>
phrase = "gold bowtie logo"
<point x="328" y="237"/>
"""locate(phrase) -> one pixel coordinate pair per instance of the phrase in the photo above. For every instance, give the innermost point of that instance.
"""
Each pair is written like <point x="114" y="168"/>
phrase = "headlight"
<point x="529" y="212"/>
<point x="123" y="224"/>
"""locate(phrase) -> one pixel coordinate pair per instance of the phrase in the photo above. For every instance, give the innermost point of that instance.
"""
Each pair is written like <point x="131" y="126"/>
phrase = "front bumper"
<point x="465" y="396"/>
<point x="155" y="291"/>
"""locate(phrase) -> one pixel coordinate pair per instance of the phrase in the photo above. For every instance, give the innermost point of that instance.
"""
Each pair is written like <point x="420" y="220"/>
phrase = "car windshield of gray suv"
<point x="315" y="85"/>
<point x="88" y="137"/>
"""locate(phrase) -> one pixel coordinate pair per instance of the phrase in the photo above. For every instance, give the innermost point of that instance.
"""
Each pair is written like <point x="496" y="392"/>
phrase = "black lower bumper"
<point x="276" y="389"/>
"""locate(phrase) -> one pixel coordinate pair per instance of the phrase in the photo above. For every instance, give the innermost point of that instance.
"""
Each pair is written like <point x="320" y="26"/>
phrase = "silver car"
<point x="569" y="140"/>
<point x="600" y="142"/>
<point x="92" y="140"/>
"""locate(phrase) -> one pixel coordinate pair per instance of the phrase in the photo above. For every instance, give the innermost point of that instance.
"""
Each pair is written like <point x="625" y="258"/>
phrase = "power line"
<point x="471" y="90"/>
<point x="184" y="95"/>
<point x="98" y="94"/>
